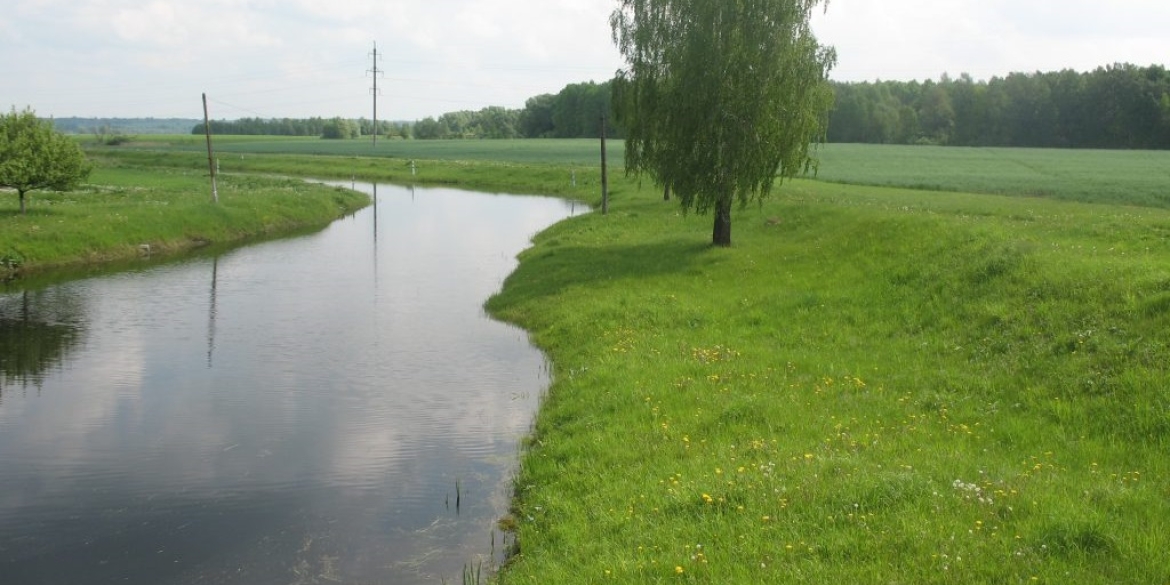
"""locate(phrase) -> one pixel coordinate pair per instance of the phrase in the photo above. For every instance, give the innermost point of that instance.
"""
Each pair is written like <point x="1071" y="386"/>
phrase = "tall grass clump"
<point x="872" y="386"/>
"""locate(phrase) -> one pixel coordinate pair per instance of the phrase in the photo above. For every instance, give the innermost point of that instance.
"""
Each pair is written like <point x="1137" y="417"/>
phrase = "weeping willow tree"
<point x="720" y="98"/>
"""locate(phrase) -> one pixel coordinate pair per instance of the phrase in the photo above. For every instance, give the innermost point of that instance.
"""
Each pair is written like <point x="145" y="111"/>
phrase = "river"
<point x="331" y="408"/>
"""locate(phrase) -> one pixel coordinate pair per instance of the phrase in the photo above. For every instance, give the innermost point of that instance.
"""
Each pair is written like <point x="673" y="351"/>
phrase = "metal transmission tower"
<point x="375" y="72"/>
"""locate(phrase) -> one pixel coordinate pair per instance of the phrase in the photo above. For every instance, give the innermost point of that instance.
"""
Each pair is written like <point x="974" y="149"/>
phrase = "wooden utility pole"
<point x="604" y="173"/>
<point x="210" y="159"/>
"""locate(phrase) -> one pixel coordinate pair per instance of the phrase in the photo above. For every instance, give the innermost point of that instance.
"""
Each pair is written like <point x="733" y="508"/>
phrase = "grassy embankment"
<point x="886" y="386"/>
<point x="125" y="207"/>
<point x="873" y="385"/>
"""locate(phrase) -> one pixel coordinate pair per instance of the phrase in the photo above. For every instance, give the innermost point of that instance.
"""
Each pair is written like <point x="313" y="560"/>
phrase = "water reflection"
<point x="211" y="312"/>
<point x="37" y="331"/>
<point x="298" y="411"/>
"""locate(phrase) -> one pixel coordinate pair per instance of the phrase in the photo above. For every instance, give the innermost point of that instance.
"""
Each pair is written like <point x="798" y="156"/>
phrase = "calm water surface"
<point x="334" y="408"/>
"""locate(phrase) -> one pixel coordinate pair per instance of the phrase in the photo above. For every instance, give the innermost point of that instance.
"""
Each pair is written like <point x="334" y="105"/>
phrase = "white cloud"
<point x="154" y="23"/>
<point x="273" y="58"/>
<point x="917" y="39"/>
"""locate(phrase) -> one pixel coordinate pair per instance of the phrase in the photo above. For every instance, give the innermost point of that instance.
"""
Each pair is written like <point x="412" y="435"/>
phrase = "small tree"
<point x="720" y="97"/>
<point x="34" y="156"/>
<point x="340" y="129"/>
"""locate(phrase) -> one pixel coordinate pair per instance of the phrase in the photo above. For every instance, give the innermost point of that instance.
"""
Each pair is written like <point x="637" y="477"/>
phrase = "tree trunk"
<point x="22" y="210"/>
<point x="721" y="235"/>
<point x="666" y="193"/>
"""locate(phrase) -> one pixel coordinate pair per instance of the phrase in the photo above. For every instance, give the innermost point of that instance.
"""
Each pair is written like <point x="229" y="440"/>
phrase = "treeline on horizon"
<point x="574" y="112"/>
<point x="76" y="125"/>
<point x="336" y="128"/>
<point x="1120" y="106"/>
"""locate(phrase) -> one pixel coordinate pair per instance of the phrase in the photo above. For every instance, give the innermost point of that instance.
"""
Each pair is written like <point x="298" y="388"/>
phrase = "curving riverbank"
<point x="872" y="386"/>
<point x="127" y="212"/>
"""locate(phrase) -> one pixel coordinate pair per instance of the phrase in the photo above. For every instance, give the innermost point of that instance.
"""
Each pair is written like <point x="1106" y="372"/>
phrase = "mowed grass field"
<point x="875" y="384"/>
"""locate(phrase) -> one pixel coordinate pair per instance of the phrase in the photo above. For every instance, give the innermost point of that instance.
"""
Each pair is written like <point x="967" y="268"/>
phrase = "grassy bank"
<point x="130" y="210"/>
<point x="872" y="386"/>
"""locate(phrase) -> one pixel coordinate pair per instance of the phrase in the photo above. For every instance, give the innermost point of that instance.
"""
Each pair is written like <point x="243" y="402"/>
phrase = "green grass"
<point x="884" y="386"/>
<point x="125" y="207"/>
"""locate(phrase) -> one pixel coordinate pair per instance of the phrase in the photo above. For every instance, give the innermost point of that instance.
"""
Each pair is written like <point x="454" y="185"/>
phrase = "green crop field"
<point x="1115" y="176"/>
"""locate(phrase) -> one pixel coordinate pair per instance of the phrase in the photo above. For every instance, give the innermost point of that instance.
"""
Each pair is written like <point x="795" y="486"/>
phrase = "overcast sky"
<point x="301" y="58"/>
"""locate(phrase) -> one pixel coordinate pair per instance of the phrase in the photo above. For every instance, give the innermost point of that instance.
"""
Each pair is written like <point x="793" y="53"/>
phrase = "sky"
<point x="303" y="58"/>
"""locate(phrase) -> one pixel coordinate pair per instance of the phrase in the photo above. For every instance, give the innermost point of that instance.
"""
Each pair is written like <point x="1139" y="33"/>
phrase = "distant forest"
<point x="123" y="125"/>
<point x="574" y="112"/>
<point x="1121" y="106"/>
<point x="340" y="128"/>
<point x="1116" y="107"/>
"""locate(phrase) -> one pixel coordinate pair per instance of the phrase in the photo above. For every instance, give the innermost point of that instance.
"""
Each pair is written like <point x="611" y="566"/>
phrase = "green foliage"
<point x="1119" y="106"/>
<point x="720" y="98"/>
<point x="34" y="156"/>
<point x="536" y="121"/>
<point x="131" y="126"/>
<point x="490" y="122"/>
<point x="575" y="112"/>
<point x="578" y="108"/>
<point x="340" y="129"/>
